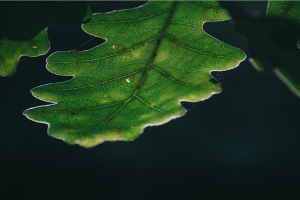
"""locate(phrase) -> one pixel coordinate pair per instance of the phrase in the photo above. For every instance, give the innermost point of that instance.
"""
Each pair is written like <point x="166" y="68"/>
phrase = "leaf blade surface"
<point x="155" y="56"/>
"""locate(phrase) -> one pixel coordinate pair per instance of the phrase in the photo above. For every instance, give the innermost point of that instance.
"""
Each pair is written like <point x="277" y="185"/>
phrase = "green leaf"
<point x="289" y="69"/>
<point x="23" y="28"/>
<point x="155" y="57"/>
<point x="285" y="9"/>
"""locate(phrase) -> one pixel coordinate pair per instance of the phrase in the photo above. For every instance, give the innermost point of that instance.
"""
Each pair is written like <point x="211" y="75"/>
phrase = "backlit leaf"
<point x="155" y="57"/>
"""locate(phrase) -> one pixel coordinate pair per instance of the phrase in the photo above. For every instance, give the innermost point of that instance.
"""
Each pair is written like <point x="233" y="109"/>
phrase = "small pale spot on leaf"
<point x="153" y="104"/>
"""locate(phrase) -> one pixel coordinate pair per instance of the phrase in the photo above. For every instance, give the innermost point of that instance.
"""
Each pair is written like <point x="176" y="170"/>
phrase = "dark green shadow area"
<point x="272" y="43"/>
<point x="23" y="28"/>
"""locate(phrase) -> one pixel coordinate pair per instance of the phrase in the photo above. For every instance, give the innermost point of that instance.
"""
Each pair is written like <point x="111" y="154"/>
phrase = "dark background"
<point x="240" y="144"/>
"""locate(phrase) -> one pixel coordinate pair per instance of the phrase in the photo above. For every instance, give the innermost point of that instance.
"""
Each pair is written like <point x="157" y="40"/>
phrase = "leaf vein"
<point x="173" y="79"/>
<point x="154" y="108"/>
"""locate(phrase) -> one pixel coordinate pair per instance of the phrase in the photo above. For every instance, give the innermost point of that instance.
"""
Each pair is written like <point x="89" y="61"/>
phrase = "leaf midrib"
<point x="153" y="55"/>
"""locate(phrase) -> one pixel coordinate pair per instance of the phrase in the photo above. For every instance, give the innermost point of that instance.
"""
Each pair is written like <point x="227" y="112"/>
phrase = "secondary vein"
<point x="153" y="55"/>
